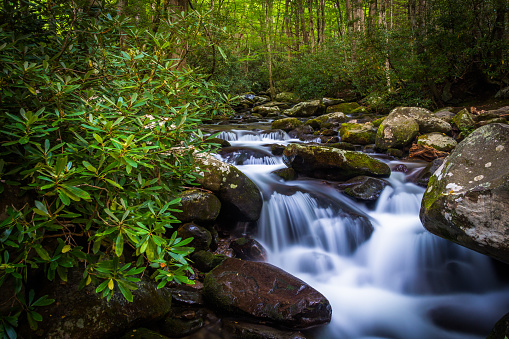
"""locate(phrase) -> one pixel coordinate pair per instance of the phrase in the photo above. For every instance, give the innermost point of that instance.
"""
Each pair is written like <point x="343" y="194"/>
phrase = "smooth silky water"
<point x="383" y="273"/>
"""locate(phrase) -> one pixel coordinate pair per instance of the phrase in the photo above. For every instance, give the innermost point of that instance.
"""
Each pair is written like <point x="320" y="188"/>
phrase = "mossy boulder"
<point x="331" y="163"/>
<point x="464" y="121"/>
<point x="345" y="107"/>
<point x="198" y="205"/>
<point x="206" y="261"/>
<point x="248" y="249"/>
<point x="428" y="122"/>
<point x="306" y="109"/>
<point x="286" y="173"/>
<point x="286" y="124"/>
<point x="240" y="198"/>
<point x="467" y="198"/>
<point x="287" y="97"/>
<point x="266" y="111"/>
<point x="360" y="134"/>
<point x="267" y="293"/>
<point x="438" y="141"/>
<point x="84" y="314"/>
<point x="396" y="131"/>
<point x="326" y="120"/>
<point x="445" y="114"/>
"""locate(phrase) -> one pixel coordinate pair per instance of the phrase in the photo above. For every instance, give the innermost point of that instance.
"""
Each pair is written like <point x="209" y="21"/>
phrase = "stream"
<point x="383" y="273"/>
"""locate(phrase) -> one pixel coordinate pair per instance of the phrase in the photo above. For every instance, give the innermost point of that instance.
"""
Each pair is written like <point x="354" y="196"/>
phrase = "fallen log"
<point x="426" y="152"/>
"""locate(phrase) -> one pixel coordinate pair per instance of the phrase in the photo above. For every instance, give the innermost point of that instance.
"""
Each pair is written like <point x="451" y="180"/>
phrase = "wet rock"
<point x="378" y="122"/>
<point x="84" y="314"/>
<point x="287" y="97"/>
<point x="468" y="196"/>
<point x="326" y="120"/>
<point x="331" y="101"/>
<point x="503" y="93"/>
<point x="361" y="134"/>
<point x="267" y="293"/>
<point x="400" y="168"/>
<point x="240" y="197"/>
<point x="428" y="122"/>
<point x="302" y="133"/>
<point x="394" y="152"/>
<point x="346" y="107"/>
<point x="423" y="177"/>
<point x="249" y="249"/>
<point x="286" y="173"/>
<point x="244" y="330"/>
<point x="143" y="333"/>
<point x="199" y="206"/>
<point x="187" y="295"/>
<point x="277" y="149"/>
<point x="206" y="261"/>
<point x="181" y="322"/>
<point x="286" y="124"/>
<point x="438" y="141"/>
<point x="221" y="142"/>
<point x="331" y="163"/>
<point x="364" y="188"/>
<point x="306" y="109"/>
<point x="343" y="145"/>
<point x="201" y="236"/>
<point x="329" y="139"/>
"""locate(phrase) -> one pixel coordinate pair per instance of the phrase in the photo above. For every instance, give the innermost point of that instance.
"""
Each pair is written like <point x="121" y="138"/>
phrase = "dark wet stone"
<point x="364" y="188"/>
<point x="286" y="173"/>
<point x="277" y="149"/>
<point x="206" y="261"/>
<point x="267" y="293"/>
<point x="241" y="155"/>
<point x="143" y="333"/>
<point x="181" y="322"/>
<point x="249" y="249"/>
<point x="400" y="168"/>
<point x="501" y="329"/>
<point x="187" y="295"/>
<point x="198" y="205"/>
<point x="422" y="178"/>
<point x="202" y="237"/>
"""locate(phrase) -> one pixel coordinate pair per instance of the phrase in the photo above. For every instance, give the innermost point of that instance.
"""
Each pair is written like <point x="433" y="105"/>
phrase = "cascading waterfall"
<point x="384" y="274"/>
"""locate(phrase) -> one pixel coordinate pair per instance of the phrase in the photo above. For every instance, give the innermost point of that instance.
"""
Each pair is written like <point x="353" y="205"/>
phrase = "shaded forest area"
<point x="393" y="52"/>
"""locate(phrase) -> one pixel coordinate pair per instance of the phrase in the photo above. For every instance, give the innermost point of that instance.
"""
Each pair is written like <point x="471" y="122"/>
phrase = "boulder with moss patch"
<point x="331" y="163"/>
<point x="346" y="107"/>
<point x="199" y="206"/>
<point x="306" y="109"/>
<point x="438" y="141"/>
<point x="287" y="97"/>
<point x="360" y="134"/>
<point x="240" y="197"/>
<point x="396" y="131"/>
<point x="467" y="198"/>
<point x="286" y="124"/>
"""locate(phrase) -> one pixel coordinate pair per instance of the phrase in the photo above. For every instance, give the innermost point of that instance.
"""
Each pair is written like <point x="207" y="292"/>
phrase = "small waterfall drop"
<point x="384" y="274"/>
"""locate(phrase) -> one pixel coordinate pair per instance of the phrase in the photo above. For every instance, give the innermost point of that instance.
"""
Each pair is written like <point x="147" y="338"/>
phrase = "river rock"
<point x="422" y="177"/>
<point x="360" y="134"/>
<point x="428" y="122"/>
<point x="201" y="236"/>
<point x="445" y="114"/>
<point x="198" y="205"/>
<point x="287" y="97"/>
<point x="206" y="261"/>
<point x="286" y="124"/>
<point x="306" y="109"/>
<point x="240" y="197"/>
<point x="501" y="329"/>
<point x="266" y="111"/>
<point x="84" y="314"/>
<point x="266" y="292"/>
<point x="331" y="163"/>
<point x="438" y="141"/>
<point x="248" y="249"/>
<point x="364" y="188"/>
<point x="243" y="155"/>
<point x="327" y="120"/>
<point x="396" y="131"/>
<point x="346" y="107"/>
<point x="143" y="333"/>
<point x="464" y="121"/>
<point x="467" y="198"/>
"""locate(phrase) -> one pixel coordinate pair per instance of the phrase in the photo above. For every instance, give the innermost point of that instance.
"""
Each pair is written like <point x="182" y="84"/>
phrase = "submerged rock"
<point x="364" y="188"/>
<point x="331" y="163"/>
<point x="266" y="292"/>
<point x="467" y="198"/>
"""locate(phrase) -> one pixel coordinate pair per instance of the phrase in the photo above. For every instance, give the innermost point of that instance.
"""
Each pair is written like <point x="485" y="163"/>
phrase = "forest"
<point x="101" y="103"/>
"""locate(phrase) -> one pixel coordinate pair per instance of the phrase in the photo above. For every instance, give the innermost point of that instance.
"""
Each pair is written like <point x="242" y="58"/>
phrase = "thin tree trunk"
<point x="268" y="21"/>
<point x="311" y="28"/>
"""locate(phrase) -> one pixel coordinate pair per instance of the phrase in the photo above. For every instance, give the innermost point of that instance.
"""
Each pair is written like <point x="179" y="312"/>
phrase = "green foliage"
<point x="99" y="129"/>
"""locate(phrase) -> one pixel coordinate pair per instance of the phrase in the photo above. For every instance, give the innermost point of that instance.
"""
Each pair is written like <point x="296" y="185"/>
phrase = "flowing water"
<point x="383" y="273"/>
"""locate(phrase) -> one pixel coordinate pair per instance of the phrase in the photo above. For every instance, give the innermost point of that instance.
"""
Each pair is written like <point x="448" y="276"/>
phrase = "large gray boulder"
<point x="240" y="197"/>
<point x="306" y="109"/>
<point x="331" y="163"/>
<point x="467" y="198"/>
<point x="265" y="292"/>
<point x="404" y="123"/>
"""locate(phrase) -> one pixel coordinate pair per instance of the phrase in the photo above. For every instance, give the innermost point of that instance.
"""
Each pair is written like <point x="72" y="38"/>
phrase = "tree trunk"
<point x="268" y="22"/>
<point x="311" y="28"/>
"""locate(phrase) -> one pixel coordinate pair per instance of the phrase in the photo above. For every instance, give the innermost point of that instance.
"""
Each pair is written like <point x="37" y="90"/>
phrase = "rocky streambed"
<point x="306" y="225"/>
